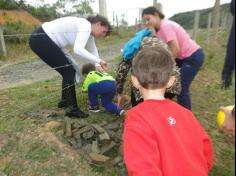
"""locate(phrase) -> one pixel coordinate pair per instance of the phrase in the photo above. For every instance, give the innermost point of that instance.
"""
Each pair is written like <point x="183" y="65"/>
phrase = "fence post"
<point x="209" y="28"/>
<point x="158" y="5"/>
<point x="113" y="19"/>
<point x="224" y="20"/>
<point x="229" y="21"/>
<point x="117" y="24"/>
<point x="196" y="24"/>
<point x="3" y="50"/>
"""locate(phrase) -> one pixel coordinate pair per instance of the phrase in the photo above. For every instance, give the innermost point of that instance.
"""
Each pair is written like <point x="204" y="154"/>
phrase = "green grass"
<point x="18" y="53"/>
<point x="24" y="153"/>
<point x="23" y="142"/>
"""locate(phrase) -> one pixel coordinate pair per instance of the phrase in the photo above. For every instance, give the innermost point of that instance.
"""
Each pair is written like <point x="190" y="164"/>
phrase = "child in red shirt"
<point x="162" y="138"/>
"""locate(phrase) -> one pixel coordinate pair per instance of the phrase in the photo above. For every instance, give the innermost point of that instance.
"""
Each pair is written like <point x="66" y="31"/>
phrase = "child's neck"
<point x="153" y="94"/>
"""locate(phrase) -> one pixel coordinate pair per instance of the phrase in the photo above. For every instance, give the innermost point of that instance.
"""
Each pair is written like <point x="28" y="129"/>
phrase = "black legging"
<point x="51" y="54"/>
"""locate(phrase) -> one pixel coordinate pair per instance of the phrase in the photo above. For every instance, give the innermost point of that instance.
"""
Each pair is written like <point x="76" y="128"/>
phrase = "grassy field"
<point x="31" y="143"/>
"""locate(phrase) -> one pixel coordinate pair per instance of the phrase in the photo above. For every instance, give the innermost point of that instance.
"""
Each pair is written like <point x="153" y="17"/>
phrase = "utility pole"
<point x="158" y="5"/>
<point x="216" y="15"/>
<point x="103" y="8"/>
<point x="196" y="24"/>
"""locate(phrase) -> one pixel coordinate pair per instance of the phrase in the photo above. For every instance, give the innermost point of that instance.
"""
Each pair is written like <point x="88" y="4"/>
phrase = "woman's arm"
<point x="81" y="41"/>
<point x="91" y="47"/>
<point x="174" y="48"/>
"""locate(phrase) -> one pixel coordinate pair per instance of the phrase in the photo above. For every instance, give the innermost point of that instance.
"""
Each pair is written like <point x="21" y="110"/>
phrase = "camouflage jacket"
<point x="125" y="66"/>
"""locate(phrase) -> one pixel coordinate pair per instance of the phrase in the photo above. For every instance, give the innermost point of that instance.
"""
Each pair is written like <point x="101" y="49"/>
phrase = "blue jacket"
<point x="132" y="46"/>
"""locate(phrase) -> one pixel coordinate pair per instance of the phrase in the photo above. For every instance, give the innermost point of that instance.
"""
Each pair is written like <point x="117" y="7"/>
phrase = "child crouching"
<point x="100" y="84"/>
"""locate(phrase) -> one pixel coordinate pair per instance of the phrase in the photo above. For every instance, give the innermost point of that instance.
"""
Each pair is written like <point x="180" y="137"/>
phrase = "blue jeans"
<point x="189" y="68"/>
<point x="107" y="91"/>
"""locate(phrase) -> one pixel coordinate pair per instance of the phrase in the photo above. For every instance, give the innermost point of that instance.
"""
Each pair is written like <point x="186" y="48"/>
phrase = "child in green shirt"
<point x="102" y="84"/>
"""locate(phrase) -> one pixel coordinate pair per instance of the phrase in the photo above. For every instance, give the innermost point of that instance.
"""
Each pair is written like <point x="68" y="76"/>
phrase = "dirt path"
<point x="30" y="72"/>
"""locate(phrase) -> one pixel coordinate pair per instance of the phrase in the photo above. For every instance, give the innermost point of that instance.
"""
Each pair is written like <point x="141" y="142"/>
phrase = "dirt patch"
<point x="46" y="135"/>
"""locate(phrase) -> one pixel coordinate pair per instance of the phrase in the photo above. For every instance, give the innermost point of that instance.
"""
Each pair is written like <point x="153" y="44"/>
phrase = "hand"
<point x="99" y="68"/>
<point x="227" y="81"/>
<point x="122" y="100"/>
<point x="119" y="96"/>
<point x="229" y="124"/>
<point x="104" y="65"/>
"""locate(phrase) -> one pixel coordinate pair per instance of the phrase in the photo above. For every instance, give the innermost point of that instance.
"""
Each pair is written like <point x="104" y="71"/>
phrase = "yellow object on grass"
<point x="220" y="118"/>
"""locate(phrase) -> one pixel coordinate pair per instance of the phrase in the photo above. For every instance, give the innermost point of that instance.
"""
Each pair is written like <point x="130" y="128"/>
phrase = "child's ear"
<point x="135" y="81"/>
<point x="171" y="82"/>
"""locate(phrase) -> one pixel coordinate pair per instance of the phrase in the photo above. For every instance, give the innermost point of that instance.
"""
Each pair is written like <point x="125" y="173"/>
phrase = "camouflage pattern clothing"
<point x="125" y="66"/>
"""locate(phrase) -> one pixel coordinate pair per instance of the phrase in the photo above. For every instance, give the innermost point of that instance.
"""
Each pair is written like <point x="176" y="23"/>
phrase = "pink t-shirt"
<point x="170" y="30"/>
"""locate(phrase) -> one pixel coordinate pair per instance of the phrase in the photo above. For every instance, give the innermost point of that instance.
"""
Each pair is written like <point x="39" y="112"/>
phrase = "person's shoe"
<point x="76" y="113"/>
<point x="63" y="104"/>
<point x="122" y="112"/>
<point x="94" y="109"/>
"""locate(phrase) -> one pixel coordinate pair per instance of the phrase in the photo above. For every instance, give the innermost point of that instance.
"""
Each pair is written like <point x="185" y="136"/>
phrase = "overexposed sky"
<point x="170" y="7"/>
<point x="130" y="8"/>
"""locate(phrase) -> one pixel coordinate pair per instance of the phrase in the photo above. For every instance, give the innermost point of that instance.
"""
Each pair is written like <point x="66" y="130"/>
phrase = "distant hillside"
<point x="187" y="19"/>
<point x="18" y="16"/>
<point x="17" y="22"/>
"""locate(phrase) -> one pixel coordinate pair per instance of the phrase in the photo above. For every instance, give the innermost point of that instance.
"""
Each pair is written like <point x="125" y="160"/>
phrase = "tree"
<point x="44" y="13"/>
<point x="81" y="7"/>
<point x="8" y="4"/>
<point x="84" y="8"/>
<point x="216" y="15"/>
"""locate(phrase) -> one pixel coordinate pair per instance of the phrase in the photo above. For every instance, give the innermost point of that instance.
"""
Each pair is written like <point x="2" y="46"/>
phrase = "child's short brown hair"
<point x="87" y="68"/>
<point x="153" y="67"/>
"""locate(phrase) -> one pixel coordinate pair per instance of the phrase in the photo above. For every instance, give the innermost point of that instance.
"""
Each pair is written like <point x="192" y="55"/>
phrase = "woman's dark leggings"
<point x="189" y="68"/>
<point x="51" y="54"/>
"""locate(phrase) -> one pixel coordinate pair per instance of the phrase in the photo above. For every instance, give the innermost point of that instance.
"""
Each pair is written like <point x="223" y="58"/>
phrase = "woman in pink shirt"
<point x="189" y="55"/>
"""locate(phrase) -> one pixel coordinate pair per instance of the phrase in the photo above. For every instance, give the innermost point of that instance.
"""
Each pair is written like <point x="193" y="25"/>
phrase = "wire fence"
<point x="125" y="16"/>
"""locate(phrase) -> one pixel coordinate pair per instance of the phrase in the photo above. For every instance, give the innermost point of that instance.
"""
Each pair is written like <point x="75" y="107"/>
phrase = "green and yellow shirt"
<point x="95" y="77"/>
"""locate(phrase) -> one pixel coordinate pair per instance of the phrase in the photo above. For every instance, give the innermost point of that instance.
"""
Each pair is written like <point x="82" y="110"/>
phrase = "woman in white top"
<point x="51" y="38"/>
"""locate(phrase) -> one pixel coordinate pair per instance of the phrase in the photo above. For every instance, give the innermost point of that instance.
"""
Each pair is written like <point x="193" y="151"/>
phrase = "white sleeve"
<point x="91" y="47"/>
<point x="80" y="44"/>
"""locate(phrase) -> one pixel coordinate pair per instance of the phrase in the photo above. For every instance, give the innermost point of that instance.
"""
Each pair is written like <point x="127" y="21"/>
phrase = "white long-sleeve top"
<point x="76" y="32"/>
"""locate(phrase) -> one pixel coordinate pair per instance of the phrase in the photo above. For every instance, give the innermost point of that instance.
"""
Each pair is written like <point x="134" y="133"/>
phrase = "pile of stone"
<point x="99" y="144"/>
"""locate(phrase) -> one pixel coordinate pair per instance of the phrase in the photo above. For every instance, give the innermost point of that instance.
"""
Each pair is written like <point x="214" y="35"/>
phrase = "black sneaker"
<point x="94" y="109"/>
<point x="76" y="113"/>
<point x="63" y="104"/>
<point x="122" y="113"/>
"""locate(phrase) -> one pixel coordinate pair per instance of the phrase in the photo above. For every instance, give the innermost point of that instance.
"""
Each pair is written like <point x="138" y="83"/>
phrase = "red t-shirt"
<point x="161" y="138"/>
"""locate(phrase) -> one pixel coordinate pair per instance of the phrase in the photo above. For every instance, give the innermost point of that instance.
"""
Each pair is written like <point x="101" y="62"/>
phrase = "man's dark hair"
<point x="87" y="68"/>
<point x="153" y="67"/>
<point x="103" y="20"/>
<point x="152" y="11"/>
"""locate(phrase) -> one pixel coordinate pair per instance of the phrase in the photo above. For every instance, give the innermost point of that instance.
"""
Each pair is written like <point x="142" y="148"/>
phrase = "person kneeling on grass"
<point x="100" y="84"/>
<point x="161" y="137"/>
